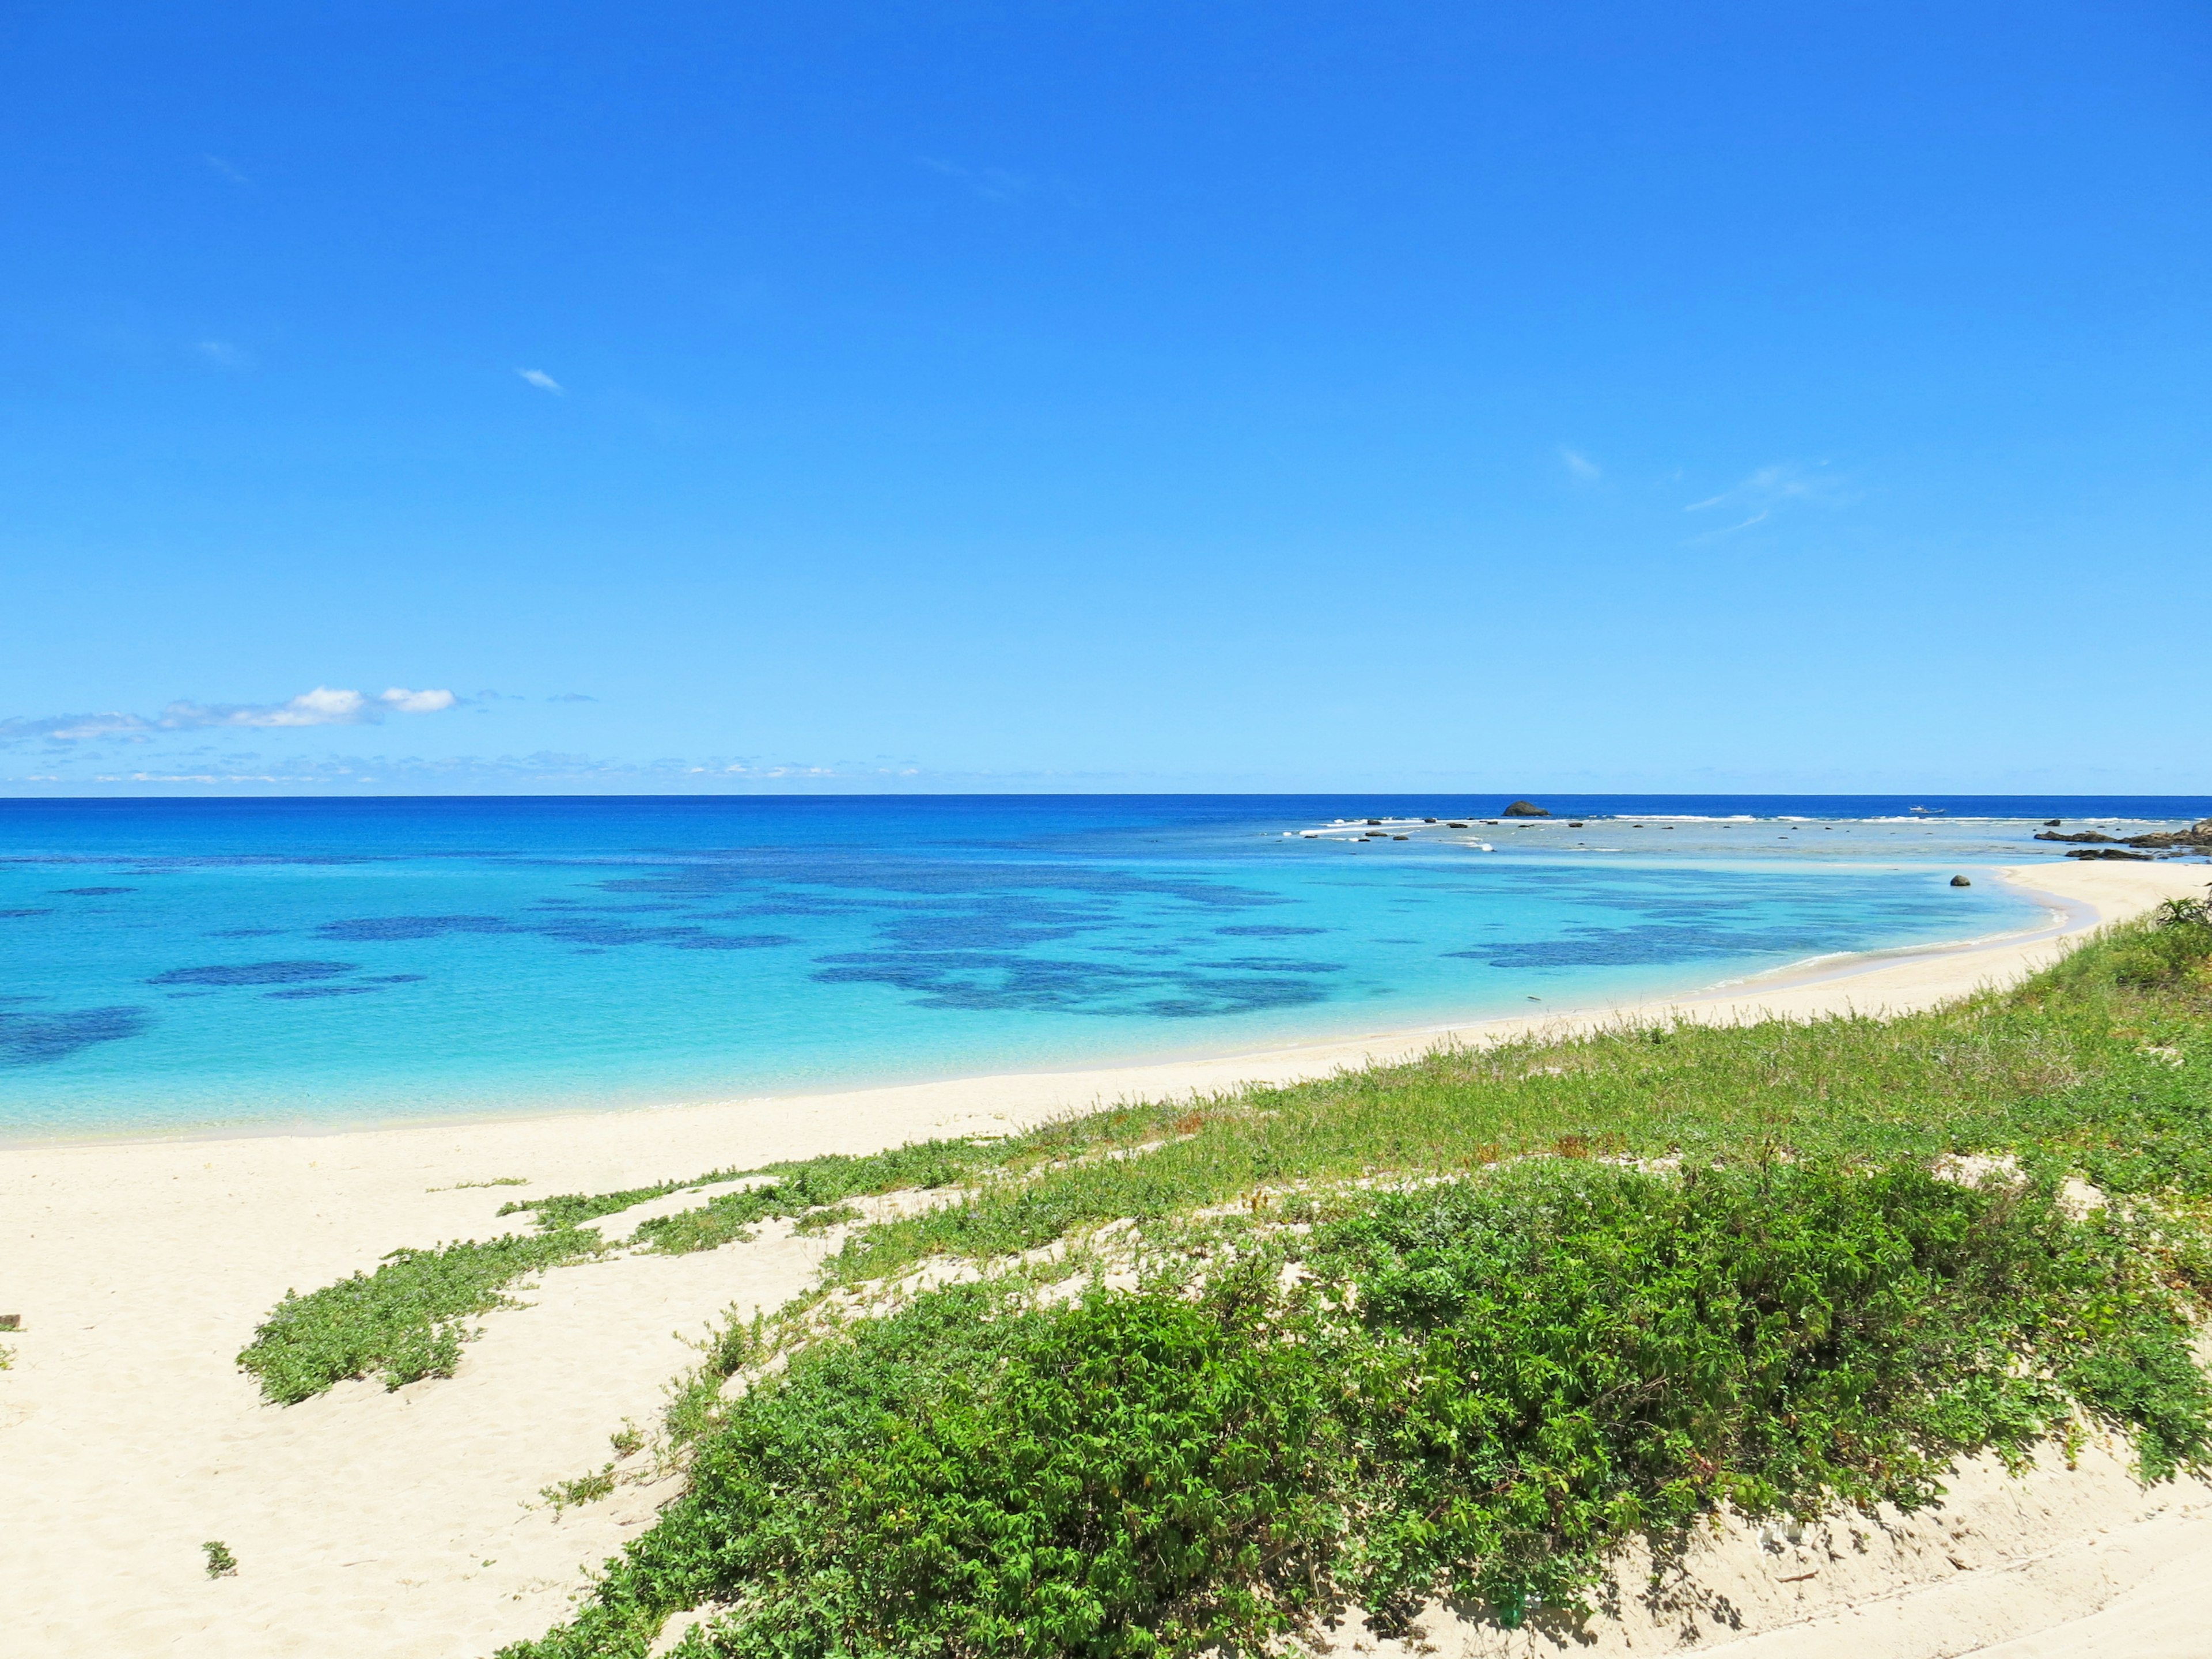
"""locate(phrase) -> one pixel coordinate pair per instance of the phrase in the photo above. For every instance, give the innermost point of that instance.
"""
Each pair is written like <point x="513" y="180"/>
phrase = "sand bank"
<point x="407" y="1525"/>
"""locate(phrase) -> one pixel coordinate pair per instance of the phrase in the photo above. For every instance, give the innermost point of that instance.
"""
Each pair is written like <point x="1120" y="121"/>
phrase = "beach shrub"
<point x="816" y="1185"/>
<point x="221" y="1563"/>
<point x="1554" y="1360"/>
<point x="779" y="1189"/>
<point x="583" y="1489"/>
<point x="404" y="1321"/>
<point x="1478" y="1388"/>
<point x="566" y="1209"/>
<point x="2177" y="946"/>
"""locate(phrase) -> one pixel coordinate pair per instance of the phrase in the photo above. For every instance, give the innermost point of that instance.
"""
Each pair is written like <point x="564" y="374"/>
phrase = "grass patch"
<point x="407" y="1320"/>
<point x="404" y="1321"/>
<point x="796" y="1188"/>
<point x="816" y="1191"/>
<point x="791" y="1188"/>
<point x="584" y="1489"/>
<point x="567" y="1210"/>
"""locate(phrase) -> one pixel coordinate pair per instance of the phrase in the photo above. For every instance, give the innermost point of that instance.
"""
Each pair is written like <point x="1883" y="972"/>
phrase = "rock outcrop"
<point x="2198" y="834"/>
<point x="1526" y="809"/>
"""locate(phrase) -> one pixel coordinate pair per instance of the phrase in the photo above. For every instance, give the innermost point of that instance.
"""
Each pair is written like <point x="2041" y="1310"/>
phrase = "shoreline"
<point x="410" y="1524"/>
<point x="2072" y="907"/>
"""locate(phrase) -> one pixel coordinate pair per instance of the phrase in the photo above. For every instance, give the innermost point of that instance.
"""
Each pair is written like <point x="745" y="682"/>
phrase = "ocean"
<point x="185" y="966"/>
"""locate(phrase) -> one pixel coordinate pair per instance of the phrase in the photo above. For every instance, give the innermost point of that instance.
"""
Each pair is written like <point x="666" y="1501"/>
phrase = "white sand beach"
<point x="407" y="1525"/>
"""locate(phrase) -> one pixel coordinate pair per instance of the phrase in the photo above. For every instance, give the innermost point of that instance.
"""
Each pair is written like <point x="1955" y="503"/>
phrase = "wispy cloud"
<point x="1768" y="491"/>
<point x="572" y="696"/>
<point x="324" y="706"/>
<point x="991" y="184"/>
<point x="1581" y="464"/>
<point x="1004" y="186"/>
<point x="542" y="381"/>
<point x="223" y="169"/>
<point x="223" y="354"/>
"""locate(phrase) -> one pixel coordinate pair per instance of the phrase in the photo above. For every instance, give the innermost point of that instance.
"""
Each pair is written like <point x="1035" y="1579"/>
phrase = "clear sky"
<point x="1141" y="396"/>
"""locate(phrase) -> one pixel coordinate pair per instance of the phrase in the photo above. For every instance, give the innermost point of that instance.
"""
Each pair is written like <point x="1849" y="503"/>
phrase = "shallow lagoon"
<point x="172" y="965"/>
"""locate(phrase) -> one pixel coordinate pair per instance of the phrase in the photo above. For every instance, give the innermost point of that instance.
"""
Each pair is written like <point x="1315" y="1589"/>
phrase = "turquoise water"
<point x="180" y="965"/>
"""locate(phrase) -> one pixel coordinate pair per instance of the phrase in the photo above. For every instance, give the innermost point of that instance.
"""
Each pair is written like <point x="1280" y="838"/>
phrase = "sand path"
<point x="407" y="1525"/>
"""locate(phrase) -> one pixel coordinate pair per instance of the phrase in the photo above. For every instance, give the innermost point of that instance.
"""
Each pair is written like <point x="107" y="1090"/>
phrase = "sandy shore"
<point x="408" y="1524"/>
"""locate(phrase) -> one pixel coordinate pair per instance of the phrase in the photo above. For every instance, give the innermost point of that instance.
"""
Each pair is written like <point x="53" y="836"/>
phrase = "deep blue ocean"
<point x="184" y="965"/>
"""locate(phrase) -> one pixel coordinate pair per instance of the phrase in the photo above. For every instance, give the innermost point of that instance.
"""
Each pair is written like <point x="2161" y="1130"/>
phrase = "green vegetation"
<point x="1430" y="1328"/>
<point x="221" y="1563"/>
<point x="407" y="1320"/>
<point x="469" y="1186"/>
<point x="584" y="1489"/>
<point x="803" y="1190"/>
<point x="404" y="1321"/>
<point x="573" y="1209"/>
<point x="816" y="1190"/>
<point x="1479" y="1387"/>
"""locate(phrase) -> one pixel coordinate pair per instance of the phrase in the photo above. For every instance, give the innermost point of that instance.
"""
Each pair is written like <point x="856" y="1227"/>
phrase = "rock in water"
<point x="1526" y="809"/>
<point x="2198" y="835"/>
<point x="1961" y="881"/>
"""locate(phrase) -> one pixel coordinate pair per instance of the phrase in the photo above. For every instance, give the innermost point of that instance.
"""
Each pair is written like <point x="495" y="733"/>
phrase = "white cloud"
<point x="223" y="354"/>
<point x="1770" y="488"/>
<point x="75" y="728"/>
<point x="542" y="381"/>
<point x="417" y="702"/>
<point x="324" y="706"/>
<point x="1581" y="464"/>
<point x="217" y="165"/>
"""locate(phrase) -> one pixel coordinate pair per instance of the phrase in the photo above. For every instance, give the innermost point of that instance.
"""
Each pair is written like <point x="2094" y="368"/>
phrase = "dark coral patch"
<point x="989" y="981"/>
<point x="367" y="930"/>
<point x="40" y="1039"/>
<point x="735" y="942"/>
<point x="305" y="992"/>
<point x="1266" y="932"/>
<point x="94" y="892"/>
<point x="254" y="973"/>
<point x="25" y="912"/>
<point x="1623" y="947"/>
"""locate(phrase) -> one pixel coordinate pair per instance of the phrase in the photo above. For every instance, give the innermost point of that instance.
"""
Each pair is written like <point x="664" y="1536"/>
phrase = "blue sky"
<point x="1238" y="396"/>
